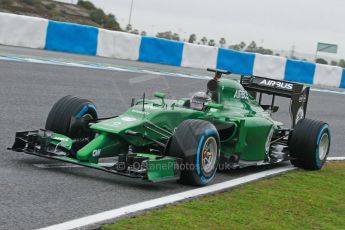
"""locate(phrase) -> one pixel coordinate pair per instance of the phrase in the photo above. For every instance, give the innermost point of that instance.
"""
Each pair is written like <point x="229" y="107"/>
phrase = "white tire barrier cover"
<point x="197" y="56"/>
<point x="327" y="75"/>
<point x="24" y="31"/>
<point x="118" y="45"/>
<point x="269" y="66"/>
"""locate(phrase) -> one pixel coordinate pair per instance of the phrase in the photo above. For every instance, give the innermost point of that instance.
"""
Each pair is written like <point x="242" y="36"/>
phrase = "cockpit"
<point x="199" y="100"/>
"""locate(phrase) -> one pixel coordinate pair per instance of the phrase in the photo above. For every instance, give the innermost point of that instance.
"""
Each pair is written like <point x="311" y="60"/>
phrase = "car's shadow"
<point x="139" y="184"/>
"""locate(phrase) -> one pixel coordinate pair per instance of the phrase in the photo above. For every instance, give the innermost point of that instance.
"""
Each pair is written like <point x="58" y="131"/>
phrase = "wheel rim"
<point x="209" y="155"/>
<point x="323" y="146"/>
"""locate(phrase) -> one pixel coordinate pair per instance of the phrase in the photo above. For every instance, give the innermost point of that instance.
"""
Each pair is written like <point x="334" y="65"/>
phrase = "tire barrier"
<point x="32" y="32"/>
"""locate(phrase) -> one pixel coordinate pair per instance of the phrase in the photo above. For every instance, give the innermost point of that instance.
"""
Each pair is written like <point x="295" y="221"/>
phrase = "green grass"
<point x="295" y="200"/>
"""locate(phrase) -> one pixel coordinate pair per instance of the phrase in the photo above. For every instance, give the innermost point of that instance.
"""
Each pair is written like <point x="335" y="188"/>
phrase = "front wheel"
<point x="197" y="143"/>
<point x="309" y="144"/>
<point x="70" y="116"/>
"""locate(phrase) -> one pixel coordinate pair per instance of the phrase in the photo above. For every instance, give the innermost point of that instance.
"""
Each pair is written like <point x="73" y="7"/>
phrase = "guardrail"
<point x="32" y="32"/>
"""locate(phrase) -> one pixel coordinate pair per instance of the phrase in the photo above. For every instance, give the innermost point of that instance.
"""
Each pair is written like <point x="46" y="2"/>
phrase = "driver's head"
<point x="199" y="100"/>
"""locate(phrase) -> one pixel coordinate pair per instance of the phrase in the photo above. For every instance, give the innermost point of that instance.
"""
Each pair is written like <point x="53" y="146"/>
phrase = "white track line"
<point x="99" y="66"/>
<point x="335" y="158"/>
<point x="115" y="213"/>
<point x="328" y="91"/>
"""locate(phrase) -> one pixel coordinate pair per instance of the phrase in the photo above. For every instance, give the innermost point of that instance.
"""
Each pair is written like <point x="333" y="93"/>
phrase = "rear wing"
<point x="298" y="93"/>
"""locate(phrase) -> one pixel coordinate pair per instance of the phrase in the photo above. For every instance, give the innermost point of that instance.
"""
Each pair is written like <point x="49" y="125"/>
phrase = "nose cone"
<point x="118" y="124"/>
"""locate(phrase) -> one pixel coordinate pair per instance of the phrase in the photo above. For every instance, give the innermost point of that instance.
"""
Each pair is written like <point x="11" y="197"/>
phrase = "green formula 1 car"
<point x="186" y="139"/>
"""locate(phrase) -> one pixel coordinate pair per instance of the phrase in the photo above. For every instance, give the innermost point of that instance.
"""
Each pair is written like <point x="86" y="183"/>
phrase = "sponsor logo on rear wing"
<point x="274" y="84"/>
<point x="271" y="86"/>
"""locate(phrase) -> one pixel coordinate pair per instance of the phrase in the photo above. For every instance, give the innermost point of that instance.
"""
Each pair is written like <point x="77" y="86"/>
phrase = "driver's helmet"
<point x="199" y="100"/>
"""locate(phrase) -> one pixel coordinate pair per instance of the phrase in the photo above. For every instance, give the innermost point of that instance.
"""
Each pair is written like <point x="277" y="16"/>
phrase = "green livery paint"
<point x="61" y="140"/>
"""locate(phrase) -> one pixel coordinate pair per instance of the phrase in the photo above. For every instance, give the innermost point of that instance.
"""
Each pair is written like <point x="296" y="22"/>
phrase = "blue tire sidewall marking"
<point x="85" y="109"/>
<point x="324" y="127"/>
<point x="208" y="132"/>
<point x="198" y="153"/>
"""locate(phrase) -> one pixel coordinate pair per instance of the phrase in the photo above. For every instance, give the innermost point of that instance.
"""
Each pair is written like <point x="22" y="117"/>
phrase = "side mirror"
<point x="215" y="106"/>
<point x="160" y="95"/>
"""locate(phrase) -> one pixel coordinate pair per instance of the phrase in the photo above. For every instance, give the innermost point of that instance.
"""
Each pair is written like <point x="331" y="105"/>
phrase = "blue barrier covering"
<point x="73" y="38"/>
<point x="342" y="83"/>
<point x="157" y="50"/>
<point x="299" y="71"/>
<point x="235" y="61"/>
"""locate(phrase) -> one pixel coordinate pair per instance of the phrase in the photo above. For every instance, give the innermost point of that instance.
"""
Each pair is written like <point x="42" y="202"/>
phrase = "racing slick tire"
<point x="197" y="143"/>
<point x="70" y="116"/>
<point x="309" y="144"/>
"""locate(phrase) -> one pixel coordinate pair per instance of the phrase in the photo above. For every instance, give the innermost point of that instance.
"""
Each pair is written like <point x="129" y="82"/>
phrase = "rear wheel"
<point x="309" y="144"/>
<point x="70" y="116"/>
<point x="197" y="143"/>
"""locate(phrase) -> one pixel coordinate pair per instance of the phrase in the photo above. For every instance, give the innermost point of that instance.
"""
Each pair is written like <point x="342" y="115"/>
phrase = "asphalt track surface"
<point x="32" y="197"/>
